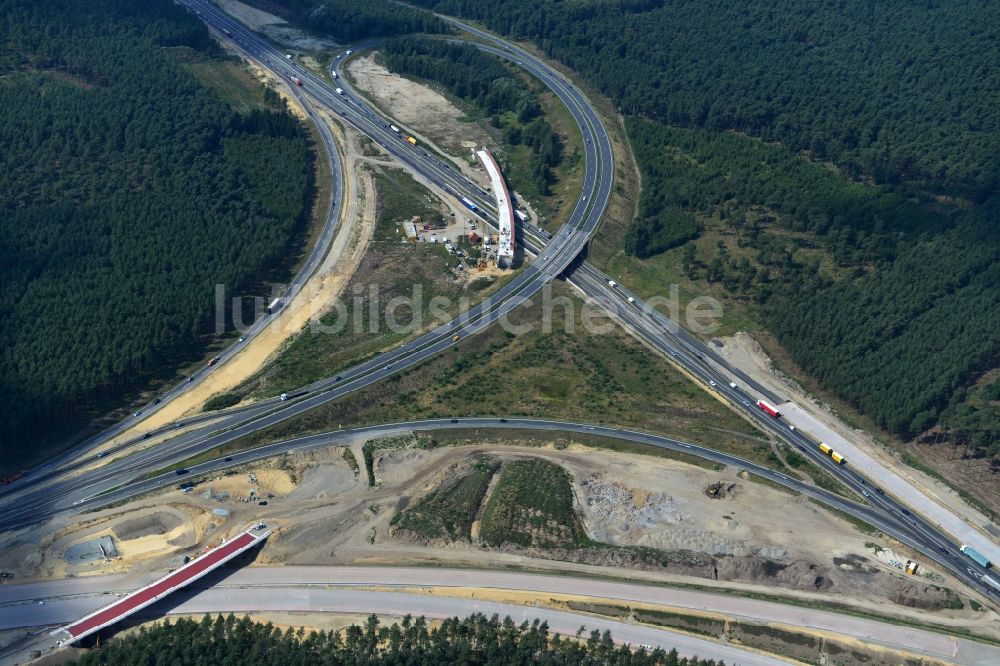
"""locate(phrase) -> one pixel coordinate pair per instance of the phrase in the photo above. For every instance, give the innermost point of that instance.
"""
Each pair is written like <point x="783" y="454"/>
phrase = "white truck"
<point x="340" y="91"/>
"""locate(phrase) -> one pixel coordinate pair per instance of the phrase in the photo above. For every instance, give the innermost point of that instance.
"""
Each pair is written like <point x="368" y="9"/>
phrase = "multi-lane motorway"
<point x="59" y="492"/>
<point x="551" y="260"/>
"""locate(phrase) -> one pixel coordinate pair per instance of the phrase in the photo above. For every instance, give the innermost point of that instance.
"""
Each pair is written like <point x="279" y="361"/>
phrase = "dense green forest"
<point x="852" y="148"/>
<point x="128" y="191"/>
<point x="476" y="639"/>
<point x="890" y="303"/>
<point x="496" y="91"/>
<point x="349" y="20"/>
<point x="897" y="90"/>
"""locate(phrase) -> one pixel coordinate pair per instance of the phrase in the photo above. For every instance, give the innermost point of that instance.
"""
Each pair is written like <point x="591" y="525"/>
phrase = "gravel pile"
<point x="615" y="503"/>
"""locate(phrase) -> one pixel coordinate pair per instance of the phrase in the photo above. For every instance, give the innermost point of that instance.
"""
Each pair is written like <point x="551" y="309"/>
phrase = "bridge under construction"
<point x="505" y="210"/>
<point x="132" y="603"/>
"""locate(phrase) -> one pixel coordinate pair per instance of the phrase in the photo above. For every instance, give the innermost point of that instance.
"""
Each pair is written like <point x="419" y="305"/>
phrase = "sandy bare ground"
<point x="932" y="498"/>
<point x="424" y="113"/>
<point x="323" y="514"/>
<point x="274" y="27"/>
<point x="315" y="298"/>
<point x="754" y="519"/>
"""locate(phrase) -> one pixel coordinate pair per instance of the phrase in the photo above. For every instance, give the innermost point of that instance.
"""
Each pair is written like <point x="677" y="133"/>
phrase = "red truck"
<point x="768" y="408"/>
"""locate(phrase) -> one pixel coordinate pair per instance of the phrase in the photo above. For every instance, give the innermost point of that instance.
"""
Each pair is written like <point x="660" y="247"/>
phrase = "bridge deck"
<point x="136" y="601"/>
<point x="505" y="211"/>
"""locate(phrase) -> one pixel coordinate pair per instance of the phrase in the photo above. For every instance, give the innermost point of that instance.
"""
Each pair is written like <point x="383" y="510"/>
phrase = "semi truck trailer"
<point x="976" y="556"/>
<point x="768" y="408"/>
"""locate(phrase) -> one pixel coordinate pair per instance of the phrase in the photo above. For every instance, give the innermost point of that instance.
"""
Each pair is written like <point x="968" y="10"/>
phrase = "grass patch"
<point x="391" y="268"/>
<point x="395" y="443"/>
<point x="771" y="484"/>
<point x="551" y="371"/>
<point x="819" y="476"/>
<point x="532" y="507"/>
<point x="449" y="511"/>
<point x="351" y="460"/>
<point x="858" y="524"/>
<point x="221" y="401"/>
<point x="228" y="78"/>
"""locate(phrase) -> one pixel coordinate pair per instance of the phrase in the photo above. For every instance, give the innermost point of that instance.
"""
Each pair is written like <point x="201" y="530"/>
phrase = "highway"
<point x="554" y="257"/>
<point x="255" y="597"/>
<point x="550" y="262"/>
<point x="82" y="454"/>
<point x="119" y="488"/>
<point x="336" y="589"/>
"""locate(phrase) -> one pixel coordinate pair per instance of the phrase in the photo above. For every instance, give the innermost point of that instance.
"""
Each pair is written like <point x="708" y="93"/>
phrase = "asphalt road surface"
<point x="316" y="589"/>
<point x="553" y="258"/>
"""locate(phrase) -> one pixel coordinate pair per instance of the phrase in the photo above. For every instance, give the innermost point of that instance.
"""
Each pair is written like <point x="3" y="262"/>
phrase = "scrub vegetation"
<point x="844" y="159"/>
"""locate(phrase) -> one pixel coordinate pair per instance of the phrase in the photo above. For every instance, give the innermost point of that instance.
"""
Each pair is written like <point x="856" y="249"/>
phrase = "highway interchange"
<point x="59" y="486"/>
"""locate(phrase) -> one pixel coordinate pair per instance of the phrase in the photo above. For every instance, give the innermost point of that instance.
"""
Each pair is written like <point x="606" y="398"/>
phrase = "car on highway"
<point x="746" y="404"/>
<point x="181" y="472"/>
<point x="157" y="401"/>
<point x="454" y="420"/>
<point x="228" y="459"/>
<point x="711" y="382"/>
<point x="503" y="420"/>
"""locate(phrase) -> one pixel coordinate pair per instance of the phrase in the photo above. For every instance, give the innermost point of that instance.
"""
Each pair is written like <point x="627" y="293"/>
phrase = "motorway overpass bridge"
<point x="132" y="603"/>
<point x="505" y="209"/>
